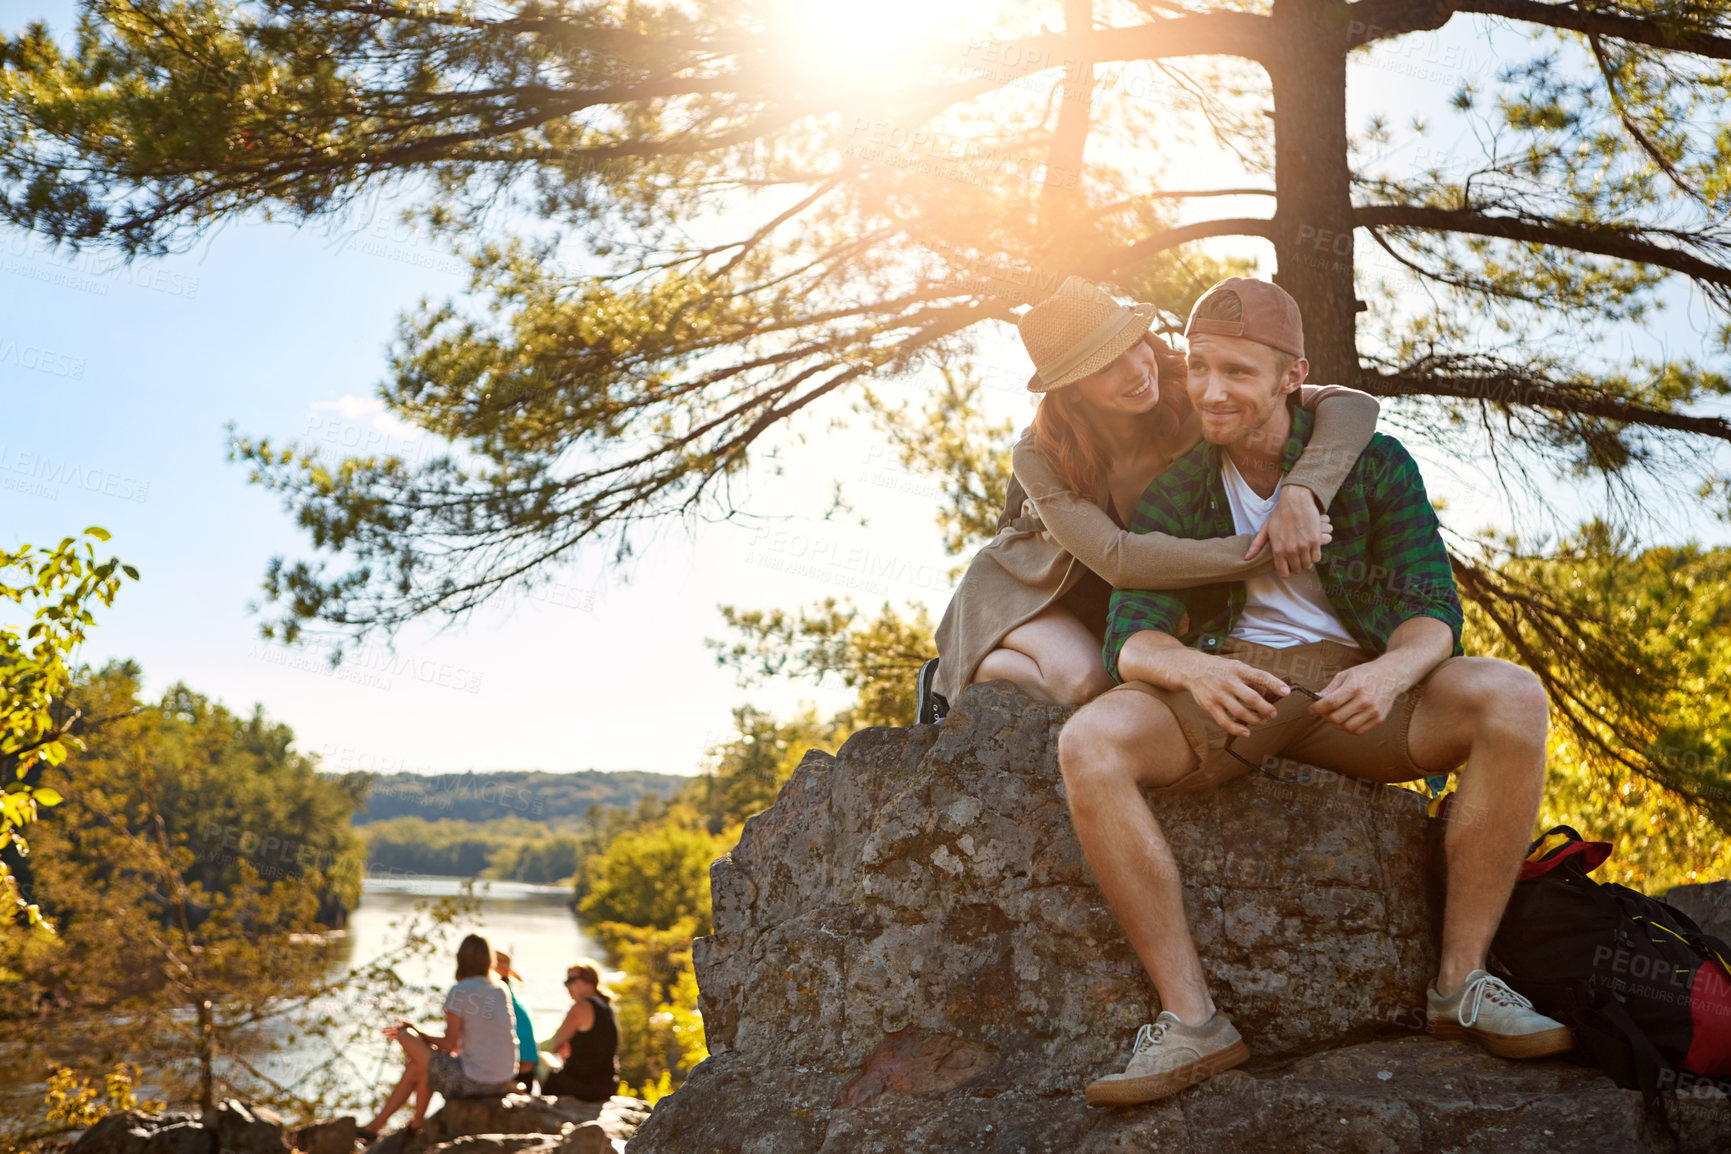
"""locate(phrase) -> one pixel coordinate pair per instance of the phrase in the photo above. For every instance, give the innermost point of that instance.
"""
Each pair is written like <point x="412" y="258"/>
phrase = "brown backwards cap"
<point x="1267" y="315"/>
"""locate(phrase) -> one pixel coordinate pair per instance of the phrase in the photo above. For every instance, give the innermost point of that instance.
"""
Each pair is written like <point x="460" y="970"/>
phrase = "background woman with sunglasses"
<point x="588" y="1039"/>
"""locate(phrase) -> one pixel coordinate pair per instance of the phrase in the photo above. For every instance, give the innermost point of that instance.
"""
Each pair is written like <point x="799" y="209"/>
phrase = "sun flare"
<point x="844" y="44"/>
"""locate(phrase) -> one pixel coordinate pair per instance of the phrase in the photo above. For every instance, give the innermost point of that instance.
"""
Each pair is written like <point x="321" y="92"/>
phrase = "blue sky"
<point x="116" y="386"/>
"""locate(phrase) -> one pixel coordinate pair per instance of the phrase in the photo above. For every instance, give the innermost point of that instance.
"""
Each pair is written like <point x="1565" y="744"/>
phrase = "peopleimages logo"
<point x="63" y="471"/>
<point x="41" y="360"/>
<point x="88" y="271"/>
<point x="373" y="666"/>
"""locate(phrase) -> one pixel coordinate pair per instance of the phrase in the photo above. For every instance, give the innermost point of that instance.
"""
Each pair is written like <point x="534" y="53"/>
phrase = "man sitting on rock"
<point x="1353" y="666"/>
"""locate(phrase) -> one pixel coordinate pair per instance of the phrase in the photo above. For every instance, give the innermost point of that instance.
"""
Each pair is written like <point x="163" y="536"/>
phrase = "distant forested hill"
<point x="556" y="798"/>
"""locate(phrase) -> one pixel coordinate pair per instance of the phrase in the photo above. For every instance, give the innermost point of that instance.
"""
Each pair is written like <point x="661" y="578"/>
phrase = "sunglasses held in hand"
<point x="1258" y="767"/>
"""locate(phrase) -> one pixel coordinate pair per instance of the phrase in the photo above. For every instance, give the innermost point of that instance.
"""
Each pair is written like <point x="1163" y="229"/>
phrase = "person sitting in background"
<point x="475" y="1058"/>
<point x="526" y="1052"/>
<point x="588" y="1039"/>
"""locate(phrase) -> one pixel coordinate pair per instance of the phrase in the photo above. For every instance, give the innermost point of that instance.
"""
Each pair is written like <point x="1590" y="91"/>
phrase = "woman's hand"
<point x="1296" y="529"/>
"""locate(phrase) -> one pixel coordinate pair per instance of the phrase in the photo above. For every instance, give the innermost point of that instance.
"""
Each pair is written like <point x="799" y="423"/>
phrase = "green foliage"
<point x="744" y="772"/>
<point x="655" y="878"/>
<point x="553" y="798"/>
<point x="1583" y="182"/>
<point x="510" y="849"/>
<point x="545" y="861"/>
<point x="877" y="657"/>
<point x="1643" y="758"/>
<point x="660" y="1030"/>
<point x="192" y="869"/>
<point x="59" y="586"/>
<point x="75" y="1102"/>
<point x="72" y="1103"/>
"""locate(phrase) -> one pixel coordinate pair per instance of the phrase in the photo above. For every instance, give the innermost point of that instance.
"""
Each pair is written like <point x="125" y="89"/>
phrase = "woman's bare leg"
<point x="1052" y="658"/>
<point x="422" y="1094"/>
<point x="393" y="1101"/>
<point x="413" y="1082"/>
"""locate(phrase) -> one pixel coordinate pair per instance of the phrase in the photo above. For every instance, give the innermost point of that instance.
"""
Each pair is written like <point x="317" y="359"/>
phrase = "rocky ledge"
<point x="509" y="1125"/>
<point x="910" y="955"/>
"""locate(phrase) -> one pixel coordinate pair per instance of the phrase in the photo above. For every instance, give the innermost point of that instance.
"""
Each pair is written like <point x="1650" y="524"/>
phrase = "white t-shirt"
<point x="488" y="1047"/>
<point x="1278" y="611"/>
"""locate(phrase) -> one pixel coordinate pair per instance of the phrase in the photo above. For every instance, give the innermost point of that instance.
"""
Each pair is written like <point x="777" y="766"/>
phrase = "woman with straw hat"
<point x="1113" y="415"/>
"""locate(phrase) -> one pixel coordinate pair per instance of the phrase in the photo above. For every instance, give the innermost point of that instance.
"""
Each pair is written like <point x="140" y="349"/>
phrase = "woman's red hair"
<point x="1067" y="439"/>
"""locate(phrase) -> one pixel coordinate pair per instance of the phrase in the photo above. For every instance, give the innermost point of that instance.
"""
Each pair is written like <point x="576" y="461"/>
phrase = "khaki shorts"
<point x="1295" y="734"/>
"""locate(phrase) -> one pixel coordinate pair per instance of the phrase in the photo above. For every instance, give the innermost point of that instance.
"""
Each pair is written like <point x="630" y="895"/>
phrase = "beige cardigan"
<point x="1038" y="558"/>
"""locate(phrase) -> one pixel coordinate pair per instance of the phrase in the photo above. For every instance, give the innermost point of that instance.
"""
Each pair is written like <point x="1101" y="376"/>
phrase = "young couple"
<point x="1281" y="588"/>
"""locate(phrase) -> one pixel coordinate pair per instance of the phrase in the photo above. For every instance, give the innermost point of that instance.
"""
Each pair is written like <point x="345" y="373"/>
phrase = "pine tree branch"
<point x="1633" y="127"/>
<point x="1511" y="386"/>
<point x="1126" y="260"/>
<point x="1674" y="35"/>
<point x="1622" y="243"/>
<point x="1373" y="20"/>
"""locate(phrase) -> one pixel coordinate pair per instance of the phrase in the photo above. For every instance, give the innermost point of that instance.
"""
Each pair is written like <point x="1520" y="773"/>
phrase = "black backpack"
<point x="1645" y="991"/>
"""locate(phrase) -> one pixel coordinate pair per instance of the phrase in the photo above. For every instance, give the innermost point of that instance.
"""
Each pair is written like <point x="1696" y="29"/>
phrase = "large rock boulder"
<point x="910" y="954"/>
<point x="927" y="879"/>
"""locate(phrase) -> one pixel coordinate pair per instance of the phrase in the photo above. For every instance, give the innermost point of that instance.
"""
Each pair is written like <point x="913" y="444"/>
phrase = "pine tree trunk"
<point x="1313" y="223"/>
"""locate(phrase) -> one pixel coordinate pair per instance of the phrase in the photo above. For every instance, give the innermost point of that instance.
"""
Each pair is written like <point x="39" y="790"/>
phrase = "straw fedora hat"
<point x="1079" y="330"/>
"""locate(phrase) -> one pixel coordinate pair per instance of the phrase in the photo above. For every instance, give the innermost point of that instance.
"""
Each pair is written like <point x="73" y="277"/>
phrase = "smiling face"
<point x="1236" y="385"/>
<point x="1128" y="386"/>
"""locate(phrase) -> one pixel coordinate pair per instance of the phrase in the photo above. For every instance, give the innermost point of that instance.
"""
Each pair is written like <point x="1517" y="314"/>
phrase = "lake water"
<point x="532" y="923"/>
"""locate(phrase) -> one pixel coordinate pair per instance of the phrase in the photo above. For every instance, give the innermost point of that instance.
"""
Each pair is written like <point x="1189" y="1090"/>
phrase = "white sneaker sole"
<point x="1134" y="1091"/>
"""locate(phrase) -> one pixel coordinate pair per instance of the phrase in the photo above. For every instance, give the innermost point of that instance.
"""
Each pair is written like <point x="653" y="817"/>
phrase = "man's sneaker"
<point x="932" y="707"/>
<point x="1486" y="1010"/>
<point x="1168" y="1057"/>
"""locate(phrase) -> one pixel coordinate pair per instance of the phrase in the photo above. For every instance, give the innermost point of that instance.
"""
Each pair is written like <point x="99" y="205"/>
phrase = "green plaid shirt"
<point x="1386" y="563"/>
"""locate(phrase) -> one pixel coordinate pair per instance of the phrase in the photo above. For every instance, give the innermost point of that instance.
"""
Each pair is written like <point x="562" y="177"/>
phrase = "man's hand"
<point x="1297" y="529"/>
<point x="1237" y="696"/>
<point x="1359" y="698"/>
